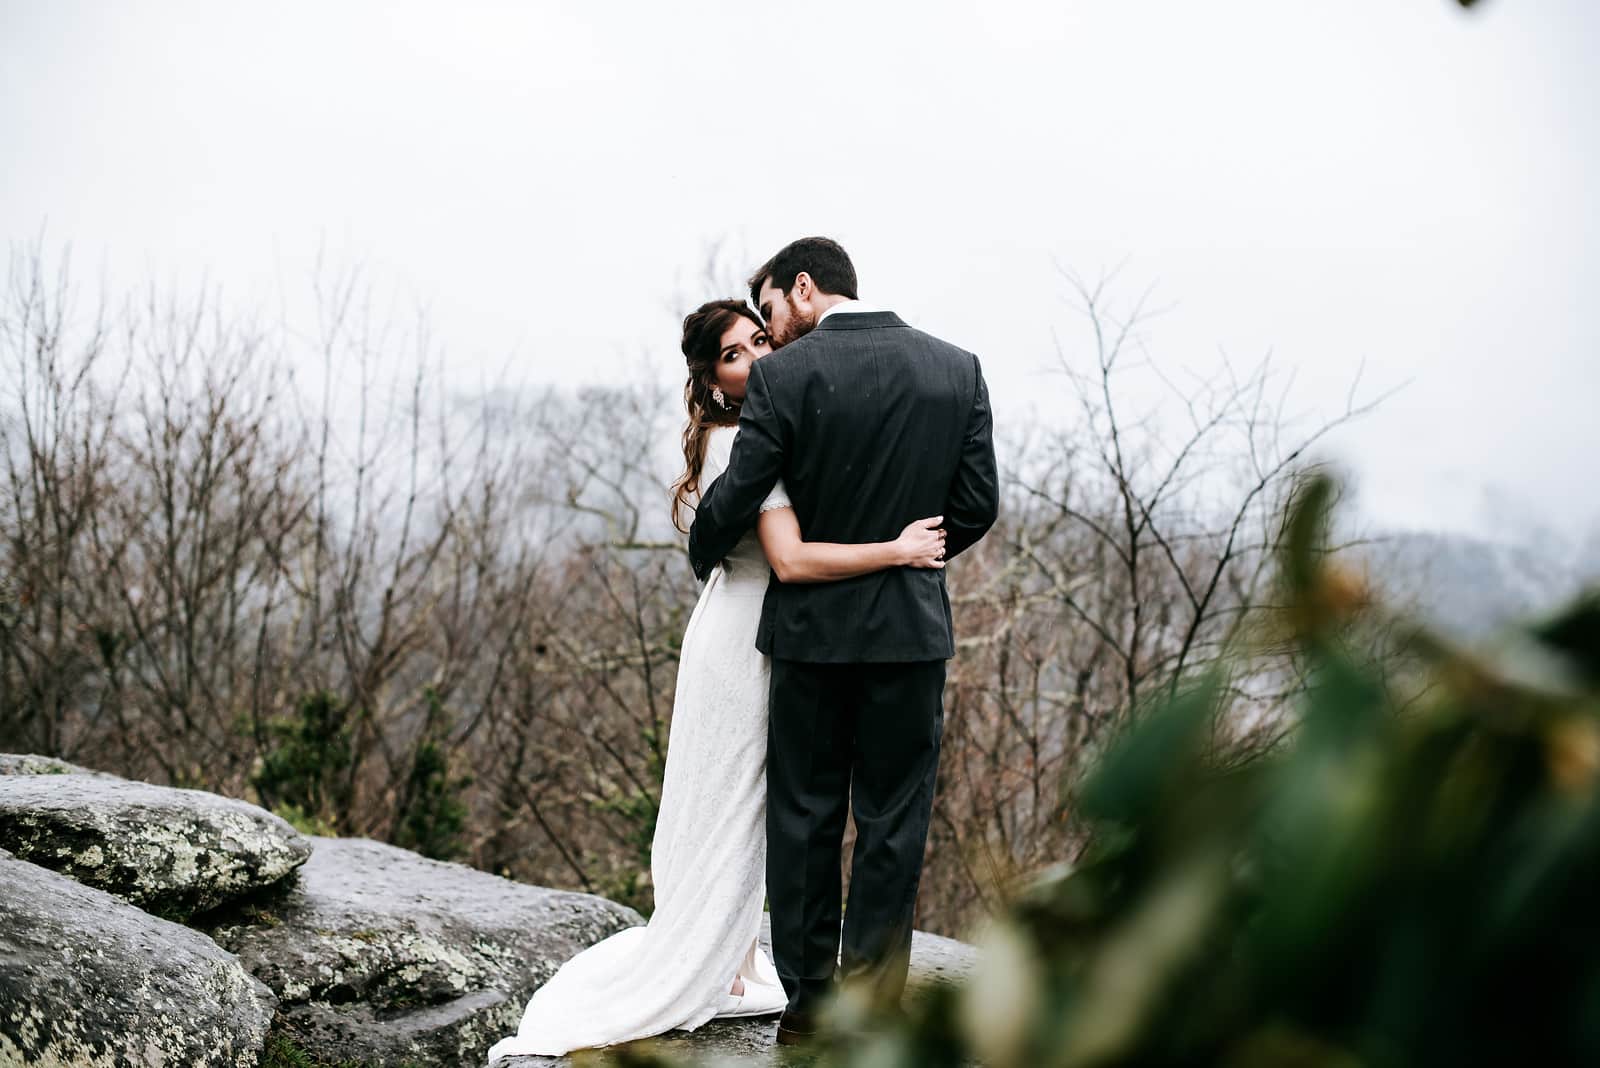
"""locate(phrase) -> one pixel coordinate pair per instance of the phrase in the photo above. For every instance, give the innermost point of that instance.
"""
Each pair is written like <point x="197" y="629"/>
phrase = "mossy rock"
<point x="171" y="852"/>
<point x="381" y="956"/>
<point x="88" y="979"/>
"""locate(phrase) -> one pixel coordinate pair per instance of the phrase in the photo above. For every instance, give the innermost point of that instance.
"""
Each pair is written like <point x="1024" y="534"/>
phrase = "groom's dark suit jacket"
<point x="871" y="425"/>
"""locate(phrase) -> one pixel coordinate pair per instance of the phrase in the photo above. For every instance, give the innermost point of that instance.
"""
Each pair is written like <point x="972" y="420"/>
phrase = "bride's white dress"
<point x="708" y="858"/>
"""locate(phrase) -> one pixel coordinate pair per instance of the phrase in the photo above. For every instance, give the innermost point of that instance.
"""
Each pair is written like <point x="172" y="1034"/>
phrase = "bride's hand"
<point x="921" y="544"/>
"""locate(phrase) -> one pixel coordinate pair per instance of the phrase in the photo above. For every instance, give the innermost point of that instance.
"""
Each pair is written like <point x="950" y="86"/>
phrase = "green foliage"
<point x="302" y="821"/>
<point x="302" y="775"/>
<point x="432" y="815"/>
<point x="284" y="1052"/>
<point x="1396" y="887"/>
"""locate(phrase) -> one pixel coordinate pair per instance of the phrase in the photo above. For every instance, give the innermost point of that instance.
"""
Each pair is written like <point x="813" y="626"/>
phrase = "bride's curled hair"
<point x="702" y="345"/>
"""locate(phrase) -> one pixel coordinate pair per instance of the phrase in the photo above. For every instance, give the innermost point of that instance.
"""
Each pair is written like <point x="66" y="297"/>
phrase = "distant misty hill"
<point x="1471" y="586"/>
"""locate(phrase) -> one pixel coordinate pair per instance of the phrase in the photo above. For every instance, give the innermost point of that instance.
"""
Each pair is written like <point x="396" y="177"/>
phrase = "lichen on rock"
<point x="173" y="852"/>
<point x="381" y="956"/>
<point x="87" y="979"/>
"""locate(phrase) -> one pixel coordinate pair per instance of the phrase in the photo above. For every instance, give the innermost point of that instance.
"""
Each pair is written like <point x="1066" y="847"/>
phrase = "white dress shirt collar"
<point x="847" y="307"/>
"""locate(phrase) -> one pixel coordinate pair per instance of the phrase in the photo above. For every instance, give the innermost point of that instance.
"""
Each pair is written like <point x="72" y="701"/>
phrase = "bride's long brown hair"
<point x="702" y="347"/>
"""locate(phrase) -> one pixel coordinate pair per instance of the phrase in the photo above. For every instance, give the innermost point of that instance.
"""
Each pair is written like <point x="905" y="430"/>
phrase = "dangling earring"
<point x="716" y="395"/>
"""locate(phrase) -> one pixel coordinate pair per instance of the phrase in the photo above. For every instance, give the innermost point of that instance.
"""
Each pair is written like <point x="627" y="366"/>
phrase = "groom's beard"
<point x="798" y="325"/>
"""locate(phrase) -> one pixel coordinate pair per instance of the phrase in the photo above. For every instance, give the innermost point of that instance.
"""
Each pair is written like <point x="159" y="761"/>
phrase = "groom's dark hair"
<point x="827" y="264"/>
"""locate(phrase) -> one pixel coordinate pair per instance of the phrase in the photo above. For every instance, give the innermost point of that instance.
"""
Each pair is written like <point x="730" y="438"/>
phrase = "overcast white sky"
<point x="1387" y="181"/>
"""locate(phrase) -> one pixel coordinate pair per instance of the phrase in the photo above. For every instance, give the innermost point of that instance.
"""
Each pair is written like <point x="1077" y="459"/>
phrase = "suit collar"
<point x="860" y="321"/>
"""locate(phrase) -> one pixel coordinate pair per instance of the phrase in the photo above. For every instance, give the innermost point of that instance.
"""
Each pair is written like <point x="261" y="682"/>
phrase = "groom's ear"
<point x="804" y="288"/>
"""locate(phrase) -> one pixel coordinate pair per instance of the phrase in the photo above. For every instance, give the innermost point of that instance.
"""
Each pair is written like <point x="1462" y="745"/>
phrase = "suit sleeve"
<point x="729" y="506"/>
<point x="973" y="502"/>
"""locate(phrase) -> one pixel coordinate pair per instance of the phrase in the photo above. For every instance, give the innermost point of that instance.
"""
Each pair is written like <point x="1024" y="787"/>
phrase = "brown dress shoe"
<point x="796" y="1029"/>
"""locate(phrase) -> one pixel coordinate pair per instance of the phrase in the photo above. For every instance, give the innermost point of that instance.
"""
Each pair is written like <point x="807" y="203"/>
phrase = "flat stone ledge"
<point x="33" y="764"/>
<point x="88" y="979"/>
<point x="381" y="956"/>
<point x="172" y="852"/>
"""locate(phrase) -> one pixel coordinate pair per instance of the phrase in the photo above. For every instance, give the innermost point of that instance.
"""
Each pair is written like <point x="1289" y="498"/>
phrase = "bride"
<point x="698" y="957"/>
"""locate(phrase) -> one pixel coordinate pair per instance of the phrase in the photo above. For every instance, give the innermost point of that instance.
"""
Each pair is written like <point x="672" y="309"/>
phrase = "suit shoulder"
<point x="944" y="348"/>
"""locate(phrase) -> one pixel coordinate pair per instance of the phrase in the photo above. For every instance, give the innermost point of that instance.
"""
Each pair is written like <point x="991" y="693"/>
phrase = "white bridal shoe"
<point x="758" y="999"/>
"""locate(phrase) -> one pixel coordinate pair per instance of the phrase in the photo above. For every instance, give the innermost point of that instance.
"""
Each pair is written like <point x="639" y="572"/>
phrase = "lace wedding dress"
<point x="708" y="859"/>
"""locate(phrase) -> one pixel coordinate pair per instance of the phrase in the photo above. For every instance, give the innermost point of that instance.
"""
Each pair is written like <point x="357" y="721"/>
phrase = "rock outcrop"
<point x="88" y="979"/>
<point x="343" y="950"/>
<point x="380" y="956"/>
<point x="32" y="764"/>
<point x="171" y="852"/>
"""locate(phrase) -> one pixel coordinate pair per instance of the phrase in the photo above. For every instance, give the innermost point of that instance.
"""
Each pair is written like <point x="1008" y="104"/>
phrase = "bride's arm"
<point x="920" y="545"/>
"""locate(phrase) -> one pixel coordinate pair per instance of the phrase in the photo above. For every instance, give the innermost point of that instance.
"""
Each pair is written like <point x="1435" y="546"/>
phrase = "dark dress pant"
<point x="866" y="736"/>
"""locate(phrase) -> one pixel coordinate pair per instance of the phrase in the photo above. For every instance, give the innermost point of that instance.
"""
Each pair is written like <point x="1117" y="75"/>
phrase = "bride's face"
<point x="743" y="343"/>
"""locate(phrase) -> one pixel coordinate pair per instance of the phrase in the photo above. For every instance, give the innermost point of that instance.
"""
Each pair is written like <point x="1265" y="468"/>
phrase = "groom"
<point x="871" y="425"/>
